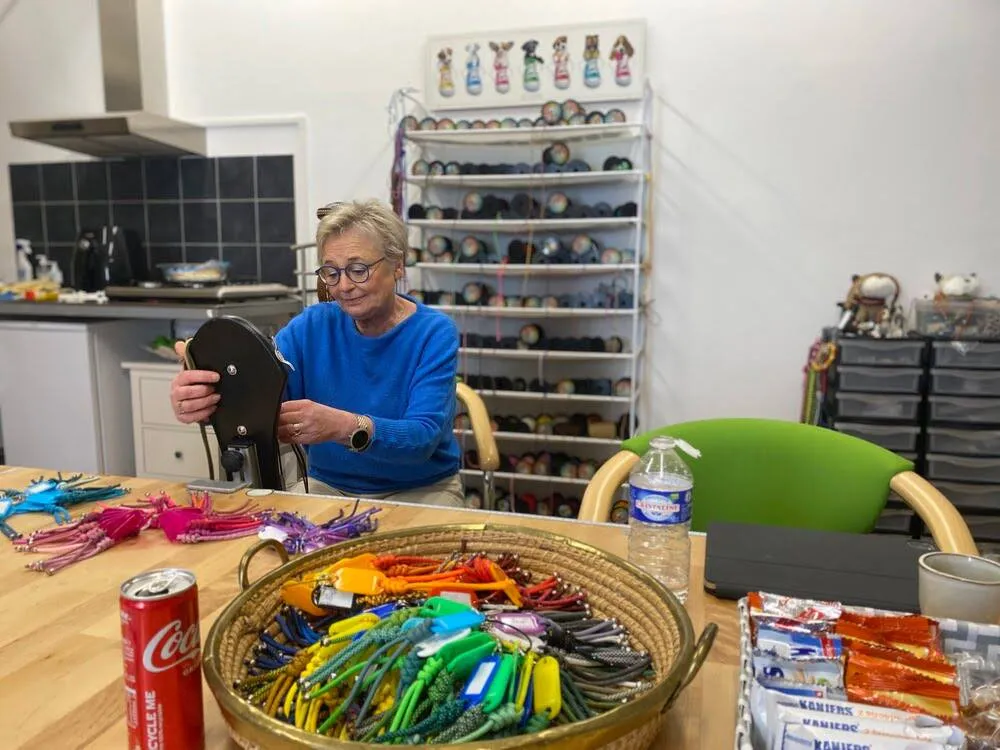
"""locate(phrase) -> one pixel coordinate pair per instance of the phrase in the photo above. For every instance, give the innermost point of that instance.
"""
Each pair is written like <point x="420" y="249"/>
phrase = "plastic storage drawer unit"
<point x="967" y="410"/>
<point x="880" y="379"/>
<point x="966" y="382"/>
<point x="890" y="437"/>
<point x="885" y="352"/>
<point x="963" y="442"/>
<point x="971" y="354"/>
<point x="877" y="406"/>
<point x="971" y="496"/>
<point x="962" y="469"/>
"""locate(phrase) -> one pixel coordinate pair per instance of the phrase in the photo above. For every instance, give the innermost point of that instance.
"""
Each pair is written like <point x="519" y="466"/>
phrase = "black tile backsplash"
<point x="274" y="177"/>
<point x="91" y="181"/>
<point x="57" y="182"/>
<point x="198" y="178"/>
<point x="239" y="209"/>
<point x="236" y="177"/>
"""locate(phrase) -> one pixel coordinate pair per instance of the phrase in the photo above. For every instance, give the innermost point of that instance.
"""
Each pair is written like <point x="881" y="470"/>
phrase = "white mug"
<point x="959" y="587"/>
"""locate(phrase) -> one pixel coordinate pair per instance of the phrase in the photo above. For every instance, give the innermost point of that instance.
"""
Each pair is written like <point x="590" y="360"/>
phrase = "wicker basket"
<point x="616" y="589"/>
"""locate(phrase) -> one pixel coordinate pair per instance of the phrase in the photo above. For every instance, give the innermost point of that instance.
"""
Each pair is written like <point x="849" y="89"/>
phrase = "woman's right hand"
<point x="192" y="393"/>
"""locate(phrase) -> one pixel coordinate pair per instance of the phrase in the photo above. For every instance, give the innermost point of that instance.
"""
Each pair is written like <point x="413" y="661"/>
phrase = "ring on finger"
<point x="180" y="407"/>
<point x="297" y="428"/>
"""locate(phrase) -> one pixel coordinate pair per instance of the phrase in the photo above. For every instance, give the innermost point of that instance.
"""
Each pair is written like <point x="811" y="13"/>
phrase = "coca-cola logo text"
<point x="171" y="646"/>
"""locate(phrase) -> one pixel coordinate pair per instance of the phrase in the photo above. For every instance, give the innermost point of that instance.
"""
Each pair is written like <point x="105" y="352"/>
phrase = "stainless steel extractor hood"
<point x="135" y="123"/>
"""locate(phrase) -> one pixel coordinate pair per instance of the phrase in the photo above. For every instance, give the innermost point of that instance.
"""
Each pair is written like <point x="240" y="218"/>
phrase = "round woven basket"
<point x="654" y="617"/>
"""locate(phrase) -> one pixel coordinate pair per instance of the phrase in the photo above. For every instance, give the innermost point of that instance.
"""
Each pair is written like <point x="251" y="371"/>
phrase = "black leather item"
<point x="251" y="384"/>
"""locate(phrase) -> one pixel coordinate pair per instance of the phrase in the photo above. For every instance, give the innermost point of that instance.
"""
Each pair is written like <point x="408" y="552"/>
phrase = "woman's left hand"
<point x="306" y="422"/>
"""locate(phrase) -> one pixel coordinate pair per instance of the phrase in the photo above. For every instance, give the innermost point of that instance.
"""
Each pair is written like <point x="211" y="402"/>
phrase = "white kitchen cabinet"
<point x="63" y="395"/>
<point x="164" y="447"/>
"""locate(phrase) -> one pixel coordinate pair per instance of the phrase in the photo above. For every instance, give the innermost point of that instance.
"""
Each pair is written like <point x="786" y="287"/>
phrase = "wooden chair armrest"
<point x="482" y="431"/>
<point x="945" y="523"/>
<point x="600" y="492"/>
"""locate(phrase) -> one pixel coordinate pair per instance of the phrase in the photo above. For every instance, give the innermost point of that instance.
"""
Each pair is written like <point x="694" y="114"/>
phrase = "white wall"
<point x="797" y="143"/>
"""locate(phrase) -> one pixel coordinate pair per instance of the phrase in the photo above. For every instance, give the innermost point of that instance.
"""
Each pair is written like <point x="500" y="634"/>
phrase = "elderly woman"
<point x="371" y="394"/>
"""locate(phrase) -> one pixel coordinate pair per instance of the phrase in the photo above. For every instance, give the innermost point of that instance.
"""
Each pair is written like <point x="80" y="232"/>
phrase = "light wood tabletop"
<point x="60" y="639"/>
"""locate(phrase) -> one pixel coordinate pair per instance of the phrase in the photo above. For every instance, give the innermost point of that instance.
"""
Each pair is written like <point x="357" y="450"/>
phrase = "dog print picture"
<point x="532" y="80"/>
<point x="592" y="61"/>
<point x="446" y="84"/>
<point x="473" y="77"/>
<point x="560" y="63"/>
<point x="621" y="54"/>
<point x="501" y="66"/>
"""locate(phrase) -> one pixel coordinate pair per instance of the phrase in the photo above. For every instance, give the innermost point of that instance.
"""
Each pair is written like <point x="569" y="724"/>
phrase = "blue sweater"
<point x="404" y="380"/>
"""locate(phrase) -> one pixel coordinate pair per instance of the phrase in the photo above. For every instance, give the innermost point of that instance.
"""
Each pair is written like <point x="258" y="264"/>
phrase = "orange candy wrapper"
<point x="921" y="640"/>
<point x="889" y="661"/>
<point x="901" y="689"/>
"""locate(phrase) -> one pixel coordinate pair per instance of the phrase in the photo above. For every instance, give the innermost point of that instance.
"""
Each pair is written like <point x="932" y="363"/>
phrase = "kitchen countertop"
<point x="152" y="310"/>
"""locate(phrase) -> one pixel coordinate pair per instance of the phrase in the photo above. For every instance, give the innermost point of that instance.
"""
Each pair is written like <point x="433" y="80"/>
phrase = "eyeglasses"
<point x="357" y="272"/>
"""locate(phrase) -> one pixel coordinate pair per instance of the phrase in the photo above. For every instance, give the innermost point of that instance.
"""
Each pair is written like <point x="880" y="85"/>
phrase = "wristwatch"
<point x="361" y="438"/>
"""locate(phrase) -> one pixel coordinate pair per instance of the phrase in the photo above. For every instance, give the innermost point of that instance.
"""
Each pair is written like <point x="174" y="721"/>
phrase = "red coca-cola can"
<point x="161" y="648"/>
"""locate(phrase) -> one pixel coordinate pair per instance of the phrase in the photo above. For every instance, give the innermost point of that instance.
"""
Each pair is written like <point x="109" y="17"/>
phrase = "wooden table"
<point x="60" y="642"/>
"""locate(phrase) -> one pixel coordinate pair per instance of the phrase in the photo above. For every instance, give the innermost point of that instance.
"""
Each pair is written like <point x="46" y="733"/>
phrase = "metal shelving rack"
<point x="593" y="143"/>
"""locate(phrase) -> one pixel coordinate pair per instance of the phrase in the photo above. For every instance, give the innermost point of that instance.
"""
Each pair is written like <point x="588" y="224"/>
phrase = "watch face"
<point x="359" y="440"/>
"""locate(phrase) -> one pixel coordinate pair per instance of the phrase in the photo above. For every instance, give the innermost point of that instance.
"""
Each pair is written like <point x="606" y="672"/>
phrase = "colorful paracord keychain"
<point x="399" y="650"/>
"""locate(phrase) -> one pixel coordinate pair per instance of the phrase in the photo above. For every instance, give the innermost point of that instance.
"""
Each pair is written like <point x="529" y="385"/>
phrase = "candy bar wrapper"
<point x="801" y="737"/>
<point x="796" y="645"/>
<point x="902" y="689"/>
<point x="827" y="673"/>
<point x="789" y="613"/>
<point x="948" y="736"/>
<point x="766" y="702"/>
<point x="921" y="643"/>
<point x="889" y="661"/>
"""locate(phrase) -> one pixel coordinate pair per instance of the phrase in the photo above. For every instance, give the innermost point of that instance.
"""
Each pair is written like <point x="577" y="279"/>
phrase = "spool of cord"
<point x="472" y="205"/>
<point x="446" y="257"/>
<point x="572" y="107"/>
<point x="512" y="300"/>
<point x="471" y="459"/>
<point x="519" y="384"/>
<point x="586" y="469"/>
<point x="508" y="122"/>
<point x="435" y="168"/>
<point x="550" y="301"/>
<point x="530" y="334"/>
<point x="492" y="124"/>
<point x="463" y="125"/>
<point x="473" y="499"/>
<point x="478" y="125"/>
<point x="543" y="424"/>
<point x="567" y="467"/>
<point x="438" y="244"/>
<point x="623" y="387"/>
<point x="529" y="423"/>
<point x="523" y="206"/>
<point x="611" y="164"/>
<point x="577" y="119"/>
<point x="584" y="250"/>
<point x="611" y="256"/>
<point x="412" y="256"/>
<point x="565" y="387"/>
<point x="525" y="122"/>
<point x="416" y="211"/>
<point x="543" y="465"/>
<point x="428" y="123"/>
<point x="446" y="123"/>
<point x="576" y="165"/>
<point x="543" y="508"/>
<point x="474" y="293"/>
<point x="614" y="344"/>
<point x="615" y="116"/>
<point x="531" y="301"/>
<point x="603" y="210"/>
<point x="552" y="112"/>
<point x="452" y="168"/>
<point x="420" y="168"/>
<point x="409" y="123"/>
<point x="524" y="464"/>
<point x="595" y="118"/>
<point x="551" y="249"/>
<point x="557" y="153"/>
<point x="471" y="250"/>
<point x="495" y="300"/>
<point x="627" y="209"/>
<point x="446" y="298"/>
<point x="540" y="122"/>
<point x="556" y="205"/>
<point x="434" y="213"/>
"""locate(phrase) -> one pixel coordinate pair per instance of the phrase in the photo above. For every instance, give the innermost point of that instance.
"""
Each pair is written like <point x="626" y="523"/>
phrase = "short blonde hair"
<point x="373" y="217"/>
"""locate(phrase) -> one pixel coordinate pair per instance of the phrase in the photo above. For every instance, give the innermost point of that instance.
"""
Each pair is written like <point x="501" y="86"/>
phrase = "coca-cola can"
<point x="161" y="648"/>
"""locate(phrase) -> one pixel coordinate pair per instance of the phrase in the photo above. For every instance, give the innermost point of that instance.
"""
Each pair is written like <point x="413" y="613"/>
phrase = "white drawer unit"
<point x="891" y="437"/>
<point x="966" y="382"/>
<point x="963" y="442"/>
<point x="164" y="447"/>
<point x="176" y="452"/>
<point x="897" y="407"/>
<point x="969" y="410"/>
<point x="880" y="379"/>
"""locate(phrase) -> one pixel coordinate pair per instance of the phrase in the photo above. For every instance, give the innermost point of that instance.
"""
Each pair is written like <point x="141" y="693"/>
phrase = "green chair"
<point x="787" y="474"/>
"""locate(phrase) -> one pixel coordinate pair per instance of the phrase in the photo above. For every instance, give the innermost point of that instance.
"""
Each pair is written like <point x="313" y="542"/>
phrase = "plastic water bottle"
<point x="660" y="492"/>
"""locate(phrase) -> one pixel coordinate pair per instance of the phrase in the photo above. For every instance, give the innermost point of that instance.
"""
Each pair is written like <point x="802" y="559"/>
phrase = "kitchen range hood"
<point x="133" y="61"/>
